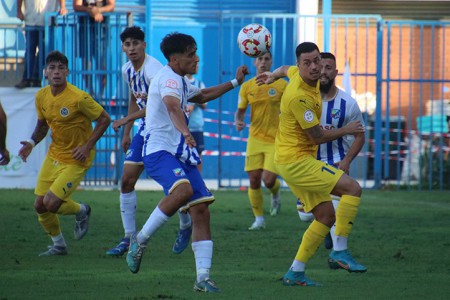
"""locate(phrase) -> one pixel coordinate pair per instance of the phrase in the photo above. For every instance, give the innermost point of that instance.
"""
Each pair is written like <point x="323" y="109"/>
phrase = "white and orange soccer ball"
<point x="254" y="40"/>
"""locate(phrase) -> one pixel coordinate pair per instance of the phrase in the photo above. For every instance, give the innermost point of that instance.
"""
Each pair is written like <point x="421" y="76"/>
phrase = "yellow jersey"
<point x="69" y="116"/>
<point x="264" y="104"/>
<point x="301" y="108"/>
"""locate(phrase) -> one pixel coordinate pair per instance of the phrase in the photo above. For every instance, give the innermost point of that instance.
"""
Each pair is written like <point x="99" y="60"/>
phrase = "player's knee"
<point x="356" y="189"/>
<point x="39" y="205"/>
<point x="128" y="183"/>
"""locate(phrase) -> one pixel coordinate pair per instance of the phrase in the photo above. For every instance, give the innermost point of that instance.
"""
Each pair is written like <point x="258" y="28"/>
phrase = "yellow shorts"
<point x="259" y="155"/>
<point x="61" y="179"/>
<point x="310" y="180"/>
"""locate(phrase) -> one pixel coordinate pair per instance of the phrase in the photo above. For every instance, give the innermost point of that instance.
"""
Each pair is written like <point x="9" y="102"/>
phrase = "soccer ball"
<point x="254" y="40"/>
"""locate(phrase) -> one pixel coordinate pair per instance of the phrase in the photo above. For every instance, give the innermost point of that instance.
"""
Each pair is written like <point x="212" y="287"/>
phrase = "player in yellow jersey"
<point x="264" y="103"/>
<point x="68" y="112"/>
<point x="311" y="180"/>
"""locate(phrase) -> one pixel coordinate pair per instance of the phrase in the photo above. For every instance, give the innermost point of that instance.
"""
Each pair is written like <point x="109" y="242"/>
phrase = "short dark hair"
<point x="306" y="47"/>
<point x="176" y="42"/>
<point x="327" y="55"/>
<point x="133" y="32"/>
<point x="56" y="56"/>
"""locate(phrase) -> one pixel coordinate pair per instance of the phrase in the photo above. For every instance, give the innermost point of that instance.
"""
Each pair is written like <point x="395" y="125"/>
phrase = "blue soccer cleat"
<point x="135" y="253"/>
<point x="182" y="241"/>
<point x="120" y="249"/>
<point x="206" y="286"/>
<point x="343" y="260"/>
<point x="292" y="278"/>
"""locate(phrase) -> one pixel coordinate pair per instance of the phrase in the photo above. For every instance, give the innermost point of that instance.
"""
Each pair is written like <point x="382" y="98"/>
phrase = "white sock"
<point x="335" y="202"/>
<point x="339" y="242"/>
<point x="83" y="210"/>
<point x="203" y="251"/>
<point x="185" y="220"/>
<point x="298" y="266"/>
<point x="156" y="220"/>
<point x="259" y="219"/>
<point x="128" y="203"/>
<point x="59" y="240"/>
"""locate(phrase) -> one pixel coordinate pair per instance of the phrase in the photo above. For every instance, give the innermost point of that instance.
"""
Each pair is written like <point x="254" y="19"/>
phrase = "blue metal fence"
<point x="398" y="77"/>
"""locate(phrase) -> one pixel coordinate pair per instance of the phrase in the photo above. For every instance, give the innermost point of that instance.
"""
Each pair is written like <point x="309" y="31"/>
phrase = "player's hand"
<point x="344" y="166"/>
<point x="25" y="151"/>
<point x="355" y="127"/>
<point x="117" y="123"/>
<point x="265" y="78"/>
<point x="240" y="74"/>
<point x="63" y="11"/>
<point x="240" y="125"/>
<point x="81" y="153"/>
<point x="4" y="157"/>
<point x="126" y="142"/>
<point x="20" y="15"/>
<point x="189" y="140"/>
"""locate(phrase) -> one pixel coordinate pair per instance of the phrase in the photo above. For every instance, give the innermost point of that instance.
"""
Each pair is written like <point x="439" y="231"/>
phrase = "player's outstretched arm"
<point x="39" y="133"/>
<point x="269" y="77"/>
<point x="214" y="92"/>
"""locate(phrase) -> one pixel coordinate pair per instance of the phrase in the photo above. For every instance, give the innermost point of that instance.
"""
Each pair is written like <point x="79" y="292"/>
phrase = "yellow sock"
<point x="312" y="239"/>
<point x="50" y="223"/>
<point x="346" y="214"/>
<point x="256" y="200"/>
<point x="69" y="207"/>
<point x="276" y="187"/>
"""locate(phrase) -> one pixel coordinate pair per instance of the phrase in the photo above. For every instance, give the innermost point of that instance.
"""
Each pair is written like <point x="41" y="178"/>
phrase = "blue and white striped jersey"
<point x="139" y="82"/>
<point x="337" y="113"/>
<point x="160" y="132"/>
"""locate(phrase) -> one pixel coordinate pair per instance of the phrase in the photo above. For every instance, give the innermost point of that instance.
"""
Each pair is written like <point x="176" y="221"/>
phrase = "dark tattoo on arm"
<point x="40" y="131"/>
<point x="315" y="132"/>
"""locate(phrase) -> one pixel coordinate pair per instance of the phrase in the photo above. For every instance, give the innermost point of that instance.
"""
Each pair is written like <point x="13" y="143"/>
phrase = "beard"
<point x="325" y="88"/>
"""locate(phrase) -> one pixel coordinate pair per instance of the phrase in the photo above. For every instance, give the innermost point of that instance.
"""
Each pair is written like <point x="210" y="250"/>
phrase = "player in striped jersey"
<point x="138" y="73"/>
<point x="338" y="109"/>
<point x="264" y="102"/>
<point x="170" y="157"/>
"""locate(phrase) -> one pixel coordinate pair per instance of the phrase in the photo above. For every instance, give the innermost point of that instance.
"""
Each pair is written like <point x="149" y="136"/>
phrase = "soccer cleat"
<point x="182" y="241"/>
<point x="292" y="278"/>
<point x="343" y="260"/>
<point x="206" y="286"/>
<point x="120" y="249"/>
<point x="54" y="250"/>
<point x="275" y="204"/>
<point x="135" y="253"/>
<point x="82" y="223"/>
<point x="257" y="226"/>
<point x="328" y="242"/>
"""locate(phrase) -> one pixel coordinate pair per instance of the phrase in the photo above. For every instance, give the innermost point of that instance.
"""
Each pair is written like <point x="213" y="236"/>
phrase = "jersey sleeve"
<point x="192" y="90"/>
<point x="242" y="99"/>
<point x="89" y="107"/>
<point x="169" y="86"/>
<point x="355" y="113"/>
<point x="304" y="112"/>
<point x="292" y="71"/>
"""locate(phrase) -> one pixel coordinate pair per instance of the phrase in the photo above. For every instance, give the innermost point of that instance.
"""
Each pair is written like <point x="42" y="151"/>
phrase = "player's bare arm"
<point x="214" y="92"/>
<point x="269" y="77"/>
<point x="319" y="136"/>
<point x="239" y="119"/>
<point x="178" y="119"/>
<point x="82" y="152"/>
<point x="39" y="133"/>
<point x="353" y="151"/>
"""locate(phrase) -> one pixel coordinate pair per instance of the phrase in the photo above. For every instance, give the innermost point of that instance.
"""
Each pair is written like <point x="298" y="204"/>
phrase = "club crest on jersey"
<point x="170" y="83"/>
<point x="64" y="112"/>
<point x="335" y="113"/>
<point x="129" y="153"/>
<point x="178" y="172"/>
<point x="272" y="92"/>
<point x="308" y="116"/>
